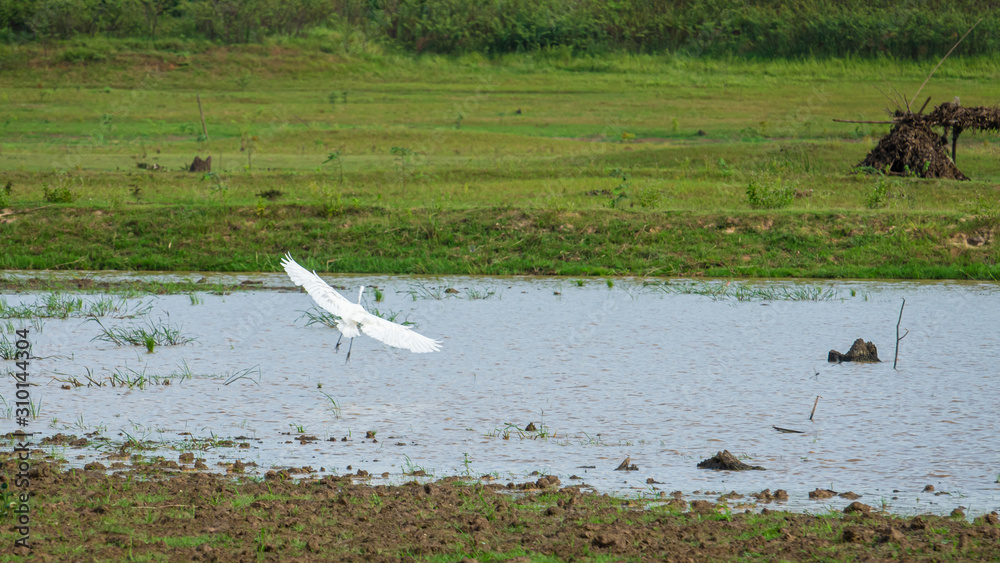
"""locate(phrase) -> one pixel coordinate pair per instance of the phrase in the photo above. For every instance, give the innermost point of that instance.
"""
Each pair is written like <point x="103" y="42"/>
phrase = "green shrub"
<point x="648" y="195"/>
<point x="878" y="195"/>
<point x="61" y="194"/>
<point x="765" y="192"/>
<point x="81" y="55"/>
<point x="985" y="209"/>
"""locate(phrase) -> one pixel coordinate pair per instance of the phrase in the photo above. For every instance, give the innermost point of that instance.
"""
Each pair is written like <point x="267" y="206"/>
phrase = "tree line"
<point x="760" y="28"/>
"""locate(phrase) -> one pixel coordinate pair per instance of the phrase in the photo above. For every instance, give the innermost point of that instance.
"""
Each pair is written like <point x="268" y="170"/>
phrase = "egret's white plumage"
<point x="353" y="318"/>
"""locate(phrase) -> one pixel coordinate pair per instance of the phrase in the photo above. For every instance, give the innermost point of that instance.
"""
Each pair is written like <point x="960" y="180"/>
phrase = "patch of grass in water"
<point x="247" y="374"/>
<point x="34" y="408"/>
<point x="62" y="306"/>
<point x="148" y="335"/>
<point x="8" y="348"/>
<point x="739" y="291"/>
<point x="328" y="319"/>
<point x="334" y="405"/>
<point x="474" y="293"/>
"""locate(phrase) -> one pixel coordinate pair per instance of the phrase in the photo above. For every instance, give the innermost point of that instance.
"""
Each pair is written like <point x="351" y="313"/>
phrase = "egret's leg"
<point x="349" y="346"/>
<point x="337" y="347"/>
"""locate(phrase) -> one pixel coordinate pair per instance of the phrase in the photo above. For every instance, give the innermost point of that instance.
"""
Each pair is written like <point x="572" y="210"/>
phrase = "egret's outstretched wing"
<point x="397" y="335"/>
<point x="323" y="294"/>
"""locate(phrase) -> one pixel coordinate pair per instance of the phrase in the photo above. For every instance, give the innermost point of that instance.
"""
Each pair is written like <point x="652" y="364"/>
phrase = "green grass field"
<point x="534" y="163"/>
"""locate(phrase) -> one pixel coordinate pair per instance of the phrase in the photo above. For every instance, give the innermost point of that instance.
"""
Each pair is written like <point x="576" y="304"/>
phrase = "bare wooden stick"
<point x="204" y="130"/>
<point x="861" y="121"/>
<point x="942" y="60"/>
<point x="889" y="98"/>
<point x="23" y="211"/>
<point x="164" y="506"/>
<point x="925" y="105"/>
<point x="898" y="337"/>
<point x="818" y="397"/>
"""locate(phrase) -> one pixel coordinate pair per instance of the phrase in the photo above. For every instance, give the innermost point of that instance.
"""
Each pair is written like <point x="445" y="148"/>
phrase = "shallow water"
<point x="665" y="379"/>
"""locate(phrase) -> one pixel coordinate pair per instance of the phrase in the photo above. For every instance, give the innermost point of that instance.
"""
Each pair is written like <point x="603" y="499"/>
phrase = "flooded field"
<point x="664" y="374"/>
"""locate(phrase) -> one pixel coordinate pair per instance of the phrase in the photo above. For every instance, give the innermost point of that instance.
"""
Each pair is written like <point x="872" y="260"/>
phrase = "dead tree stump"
<point x="860" y="351"/>
<point x="200" y="165"/>
<point x="725" y="461"/>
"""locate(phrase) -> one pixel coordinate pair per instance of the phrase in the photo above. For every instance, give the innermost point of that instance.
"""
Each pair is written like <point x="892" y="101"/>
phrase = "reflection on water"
<point x="662" y="377"/>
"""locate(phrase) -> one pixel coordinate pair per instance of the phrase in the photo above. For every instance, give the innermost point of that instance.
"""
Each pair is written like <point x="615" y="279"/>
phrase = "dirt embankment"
<point x="194" y="516"/>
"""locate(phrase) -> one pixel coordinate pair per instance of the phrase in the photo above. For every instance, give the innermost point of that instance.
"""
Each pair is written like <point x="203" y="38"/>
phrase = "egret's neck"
<point x="360" y="293"/>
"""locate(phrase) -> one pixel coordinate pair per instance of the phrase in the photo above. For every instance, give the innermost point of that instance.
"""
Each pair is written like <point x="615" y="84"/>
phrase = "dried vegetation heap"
<point x="912" y="147"/>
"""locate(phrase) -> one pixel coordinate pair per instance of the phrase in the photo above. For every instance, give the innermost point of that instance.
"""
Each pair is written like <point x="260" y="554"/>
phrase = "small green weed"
<point x="877" y="196"/>
<point x="766" y="192"/>
<point x="334" y="405"/>
<point x="619" y="192"/>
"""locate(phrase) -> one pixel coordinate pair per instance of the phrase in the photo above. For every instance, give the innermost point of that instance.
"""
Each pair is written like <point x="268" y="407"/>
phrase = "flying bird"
<point x="353" y="319"/>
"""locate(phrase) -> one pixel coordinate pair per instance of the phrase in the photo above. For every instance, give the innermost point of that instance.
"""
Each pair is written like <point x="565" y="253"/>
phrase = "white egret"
<point x="353" y="319"/>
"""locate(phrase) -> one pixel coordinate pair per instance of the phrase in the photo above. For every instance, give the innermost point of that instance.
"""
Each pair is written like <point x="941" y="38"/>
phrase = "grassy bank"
<point x="535" y="163"/>
<point x="505" y="240"/>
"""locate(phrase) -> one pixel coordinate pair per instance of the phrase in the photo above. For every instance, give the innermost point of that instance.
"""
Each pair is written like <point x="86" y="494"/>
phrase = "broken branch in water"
<point x="816" y="402"/>
<point x="895" y="357"/>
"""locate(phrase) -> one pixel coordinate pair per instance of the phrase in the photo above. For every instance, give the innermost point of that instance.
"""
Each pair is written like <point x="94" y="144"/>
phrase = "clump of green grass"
<point x="8" y="350"/>
<point x="475" y="293"/>
<point x="7" y="410"/>
<point x="148" y="335"/>
<point x="319" y="316"/>
<point x="127" y="377"/>
<point x="766" y="192"/>
<point x="61" y="194"/>
<point x="334" y="405"/>
<point x="53" y="305"/>
<point x="877" y="195"/>
<point x="648" y="195"/>
<point x="421" y="291"/>
<point x="985" y="209"/>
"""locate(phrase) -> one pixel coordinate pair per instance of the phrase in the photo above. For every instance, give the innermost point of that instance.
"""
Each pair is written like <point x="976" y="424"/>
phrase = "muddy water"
<point x="665" y="379"/>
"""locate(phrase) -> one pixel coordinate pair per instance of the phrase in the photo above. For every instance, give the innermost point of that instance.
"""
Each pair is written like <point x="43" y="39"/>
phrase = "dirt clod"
<point x="199" y="165"/>
<point x="858" y="508"/>
<point x="860" y="351"/>
<point x="240" y="519"/>
<point x="856" y="534"/>
<point x="725" y="461"/>
<point x="767" y="496"/>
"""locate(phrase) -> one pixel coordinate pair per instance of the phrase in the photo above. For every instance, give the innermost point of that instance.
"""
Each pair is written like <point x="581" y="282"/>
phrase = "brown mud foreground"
<point x="83" y="515"/>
